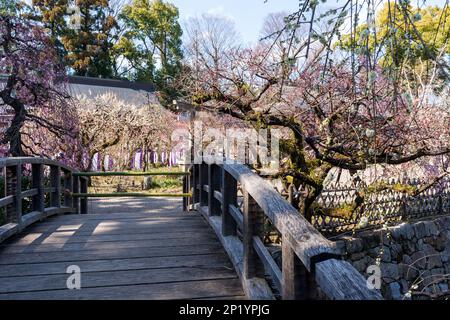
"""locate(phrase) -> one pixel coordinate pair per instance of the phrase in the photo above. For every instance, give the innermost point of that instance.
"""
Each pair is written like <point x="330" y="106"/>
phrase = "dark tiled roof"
<point x="145" y="86"/>
<point x="112" y="83"/>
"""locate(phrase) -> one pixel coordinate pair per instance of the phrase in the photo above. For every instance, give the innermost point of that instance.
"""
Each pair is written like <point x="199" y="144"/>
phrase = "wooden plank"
<point x="111" y="254"/>
<point x="6" y="201"/>
<point x="8" y="230"/>
<point x="125" y="216"/>
<point x="237" y="216"/>
<point x="55" y="182"/>
<point x="205" y="260"/>
<point x="73" y="237"/>
<point x="37" y="175"/>
<point x="68" y="189"/>
<point x="29" y="193"/>
<point x="49" y="189"/>
<point x="114" y="231"/>
<point x="218" y="196"/>
<point x="83" y="201"/>
<point x="110" y="245"/>
<point x="255" y="288"/>
<point x="229" y="198"/>
<point x="56" y="210"/>
<point x="214" y="183"/>
<point x="339" y="280"/>
<point x="124" y="221"/>
<point x="253" y="224"/>
<point x="130" y="173"/>
<point x="203" y="181"/>
<point x="306" y="240"/>
<point x="13" y="187"/>
<point x="129" y="194"/>
<point x="294" y="283"/>
<point x="32" y="217"/>
<point x="165" y="291"/>
<point x="4" y="162"/>
<point x="76" y="189"/>
<point x="121" y="228"/>
<point x="270" y="265"/>
<point x="115" y="278"/>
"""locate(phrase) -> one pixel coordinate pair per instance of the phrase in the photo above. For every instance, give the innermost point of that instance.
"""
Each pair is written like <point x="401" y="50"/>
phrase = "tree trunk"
<point x="13" y="135"/>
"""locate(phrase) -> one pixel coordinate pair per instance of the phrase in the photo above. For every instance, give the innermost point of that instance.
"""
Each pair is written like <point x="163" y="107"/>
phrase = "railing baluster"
<point x="253" y="224"/>
<point x="185" y="190"/>
<point x="214" y="185"/>
<point x="229" y="196"/>
<point x="68" y="185"/>
<point x="203" y="180"/>
<point x="76" y="189"/>
<point x="14" y="188"/>
<point x="55" y="182"/>
<point x="37" y="177"/>
<point x="295" y="276"/>
<point x="195" y="183"/>
<point x="83" y="200"/>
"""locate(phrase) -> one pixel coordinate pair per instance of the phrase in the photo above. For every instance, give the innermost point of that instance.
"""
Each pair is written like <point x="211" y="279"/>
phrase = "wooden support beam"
<point x="253" y="224"/>
<point x="83" y="200"/>
<point x="203" y="180"/>
<point x="229" y="197"/>
<point x="68" y="185"/>
<point x="37" y="180"/>
<point x="214" y="177"/>
<point x="295" y="284"/>
<point x="55" y="182"/>
<point x="76" y="189"/>
<point x="13" y="187"/>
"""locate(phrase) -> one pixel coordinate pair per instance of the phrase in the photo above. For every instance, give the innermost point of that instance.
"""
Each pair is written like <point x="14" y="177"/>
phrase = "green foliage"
<point x="52" y="13"/>
<point x="89" y="49"/>
<point x="401" y="36"/>
<point x="154" y="34"/>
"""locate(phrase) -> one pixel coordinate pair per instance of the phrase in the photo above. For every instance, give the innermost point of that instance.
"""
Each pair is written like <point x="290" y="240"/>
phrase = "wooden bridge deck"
<point x="126" y="248"/>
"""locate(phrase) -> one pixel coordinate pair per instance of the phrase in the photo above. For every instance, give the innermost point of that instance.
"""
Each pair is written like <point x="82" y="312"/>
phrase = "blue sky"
<point x="248" y="15"/>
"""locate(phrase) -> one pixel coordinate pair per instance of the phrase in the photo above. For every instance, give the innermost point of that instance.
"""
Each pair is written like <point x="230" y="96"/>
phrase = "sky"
<point x="248" y="15"/>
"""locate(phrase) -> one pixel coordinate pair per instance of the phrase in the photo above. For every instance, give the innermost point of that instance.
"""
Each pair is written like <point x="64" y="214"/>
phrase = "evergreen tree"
<point x="89" y="47"/>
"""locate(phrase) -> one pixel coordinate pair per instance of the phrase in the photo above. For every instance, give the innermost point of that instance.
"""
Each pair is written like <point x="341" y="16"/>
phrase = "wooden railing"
<point x="84" y="195"/>
<point x="50" y="180"/>
<point x="309" y="260"/>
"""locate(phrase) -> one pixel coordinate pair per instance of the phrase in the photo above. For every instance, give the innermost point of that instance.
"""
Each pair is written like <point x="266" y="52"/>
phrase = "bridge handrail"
<point x="60" y="199"/>
<point x="308" y="258"/>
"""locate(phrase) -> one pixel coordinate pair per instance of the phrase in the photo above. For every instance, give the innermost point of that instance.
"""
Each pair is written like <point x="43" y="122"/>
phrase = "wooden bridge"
<point x="208" y="247"/>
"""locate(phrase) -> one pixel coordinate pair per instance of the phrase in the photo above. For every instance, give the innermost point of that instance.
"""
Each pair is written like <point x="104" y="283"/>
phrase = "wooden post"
<point x="76" y="189"/>
<point x="229" y="196"/>
<point x="185" y="190"/>
<point x="37" y="175"/>
<point x="203" y="180"/>
<point x="83" y="201"/>
<point x="13" y="184"/>
<point x="291" y="194"/>
<point x="440" y="202"/>
<point x="68" y="185"/>
<point x="195" y="182"/>
<point x="214" y="185"/>
<point x="295" y="276"/>
<point x="253" y="224"/>
<point x="55" y="182"/>
<point x="190" y="187"/>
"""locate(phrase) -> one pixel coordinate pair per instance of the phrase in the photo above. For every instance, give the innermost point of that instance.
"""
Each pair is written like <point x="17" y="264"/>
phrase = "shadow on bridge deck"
<point x="128" y="248"/>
